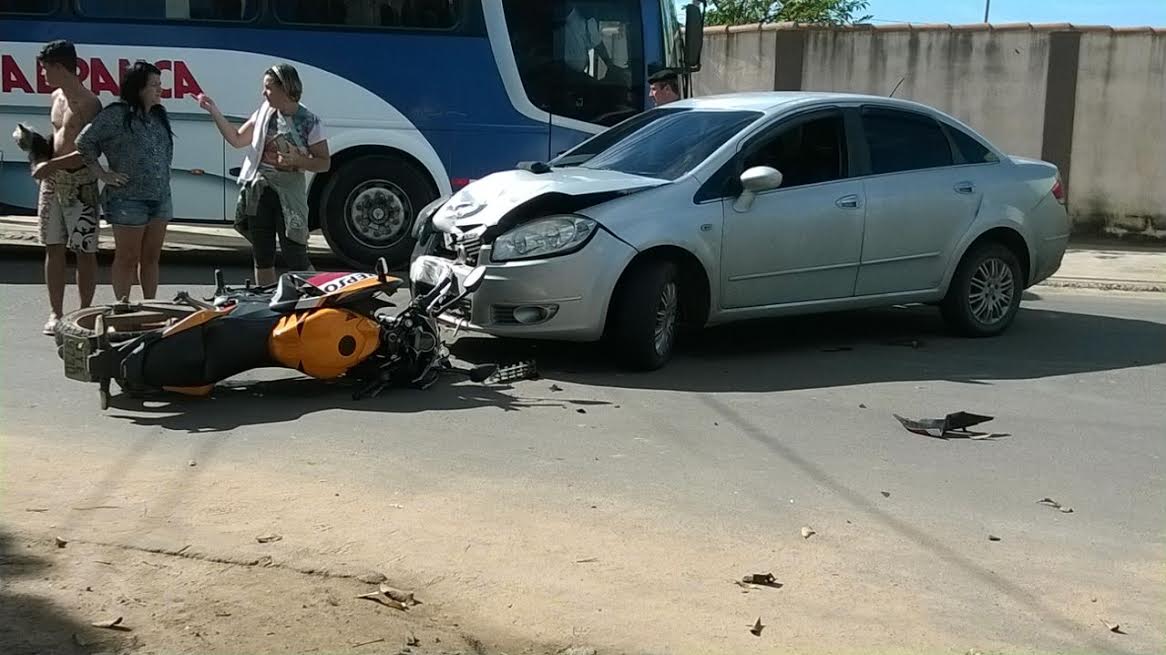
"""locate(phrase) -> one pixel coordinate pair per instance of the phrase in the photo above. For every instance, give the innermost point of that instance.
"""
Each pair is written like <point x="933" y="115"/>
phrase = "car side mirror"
<point x="474" y="279"/>
<point x="693" y="36"/>
<point x="758" y="179"/>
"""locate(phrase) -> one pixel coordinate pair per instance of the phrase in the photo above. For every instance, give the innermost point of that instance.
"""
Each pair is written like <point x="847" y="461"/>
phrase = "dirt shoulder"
<point x="172" y="549"/>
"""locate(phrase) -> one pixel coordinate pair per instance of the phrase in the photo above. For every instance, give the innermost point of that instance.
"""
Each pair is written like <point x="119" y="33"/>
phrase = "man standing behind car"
<point x="664" y="87"/>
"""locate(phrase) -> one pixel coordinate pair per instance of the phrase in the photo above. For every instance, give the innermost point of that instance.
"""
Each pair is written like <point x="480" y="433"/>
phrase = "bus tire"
<point x="368" y="207"/>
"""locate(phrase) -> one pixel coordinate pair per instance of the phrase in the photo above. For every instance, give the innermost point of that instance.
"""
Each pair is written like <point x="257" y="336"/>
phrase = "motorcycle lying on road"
<point x="328" y="326"/>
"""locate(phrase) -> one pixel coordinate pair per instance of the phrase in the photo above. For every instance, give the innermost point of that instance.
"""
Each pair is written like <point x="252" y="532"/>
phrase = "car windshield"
<point x="663" y="143"/>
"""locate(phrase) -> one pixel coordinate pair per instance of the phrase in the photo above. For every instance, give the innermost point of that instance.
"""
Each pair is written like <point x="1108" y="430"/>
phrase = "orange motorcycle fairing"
<point x="323" y="343"/>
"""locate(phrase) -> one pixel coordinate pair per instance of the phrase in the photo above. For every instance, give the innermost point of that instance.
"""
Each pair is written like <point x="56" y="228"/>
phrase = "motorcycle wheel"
<point x="127" y="321"/>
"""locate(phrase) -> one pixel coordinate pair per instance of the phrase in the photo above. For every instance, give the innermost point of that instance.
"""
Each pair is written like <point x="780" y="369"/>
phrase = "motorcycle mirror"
<point x="474" y="279"/>
<point x="382" y="269"/>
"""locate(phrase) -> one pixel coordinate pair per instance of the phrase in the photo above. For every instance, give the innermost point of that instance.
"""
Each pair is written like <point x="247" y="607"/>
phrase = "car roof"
<point x="773" y="101"/>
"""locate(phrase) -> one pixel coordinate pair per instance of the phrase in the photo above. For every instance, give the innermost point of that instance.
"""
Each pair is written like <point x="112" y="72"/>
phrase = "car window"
<point x="673" y="143"/>
<point x="904" y="141"/>
<point x="809" y="152"/>
<point x="972" y="151"/>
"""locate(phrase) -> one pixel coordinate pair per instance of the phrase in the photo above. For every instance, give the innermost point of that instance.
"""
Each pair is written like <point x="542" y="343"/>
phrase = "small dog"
<point x="39" y="148"/>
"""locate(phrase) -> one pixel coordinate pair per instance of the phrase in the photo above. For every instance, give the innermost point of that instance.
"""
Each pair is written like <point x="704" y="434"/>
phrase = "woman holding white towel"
<point x="273" y="195"/>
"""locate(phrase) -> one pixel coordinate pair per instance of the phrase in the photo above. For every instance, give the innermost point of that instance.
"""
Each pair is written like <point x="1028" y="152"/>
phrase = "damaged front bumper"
<point x="561" y="298"/>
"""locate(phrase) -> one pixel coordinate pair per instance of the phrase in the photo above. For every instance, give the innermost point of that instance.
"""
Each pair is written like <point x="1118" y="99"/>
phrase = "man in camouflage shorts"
<point x="68" y="201"/>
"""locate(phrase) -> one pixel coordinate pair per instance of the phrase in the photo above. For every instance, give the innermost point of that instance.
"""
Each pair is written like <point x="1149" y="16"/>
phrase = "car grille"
<point x="462" y="310"/>
<point x="472" y="245"/>
<point x="502" y="315"/>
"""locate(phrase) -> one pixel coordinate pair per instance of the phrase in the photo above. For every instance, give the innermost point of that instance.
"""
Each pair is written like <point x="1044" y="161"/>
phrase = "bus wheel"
<point x="367" y="209"/>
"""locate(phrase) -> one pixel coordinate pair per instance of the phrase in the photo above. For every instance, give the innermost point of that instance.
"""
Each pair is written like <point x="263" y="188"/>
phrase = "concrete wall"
<point x="1091" y="100"/>
<point x="1119" y="136"/>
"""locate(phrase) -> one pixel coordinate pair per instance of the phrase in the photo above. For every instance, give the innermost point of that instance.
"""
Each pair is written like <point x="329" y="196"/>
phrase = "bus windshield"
<point x="580" y="59"/>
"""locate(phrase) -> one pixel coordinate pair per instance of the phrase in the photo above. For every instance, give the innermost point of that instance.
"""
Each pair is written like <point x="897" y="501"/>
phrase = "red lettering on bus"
<point x="100" y="79"/>
<point x="164" y="65"/>
<point x="11" y="77"/>
<point x="95" y="74"/>
<point x="184" y="82"/>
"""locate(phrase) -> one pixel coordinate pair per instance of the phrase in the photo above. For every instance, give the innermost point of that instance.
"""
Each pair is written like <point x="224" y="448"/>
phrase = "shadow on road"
<point x="30" y="625"/>
<point x="234" y="404"/>
<point x="832" y="350"/>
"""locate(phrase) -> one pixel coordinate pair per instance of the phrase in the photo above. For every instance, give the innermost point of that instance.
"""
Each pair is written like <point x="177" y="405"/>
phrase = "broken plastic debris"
<point x="760" y="579"/>
<point x="268" y="538"/>
<point x="808" y="532"/>
<point x="1055" y="505"/>
<point x="952" y="425"/>
<point x="757" y="627"/>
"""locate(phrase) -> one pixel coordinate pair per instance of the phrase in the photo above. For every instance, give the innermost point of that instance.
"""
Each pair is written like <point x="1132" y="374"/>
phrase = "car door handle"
<point x="847" y="202"/>
<point x="965" y="187"/>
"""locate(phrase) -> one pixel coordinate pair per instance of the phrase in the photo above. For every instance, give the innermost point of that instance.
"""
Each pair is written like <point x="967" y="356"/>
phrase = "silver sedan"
<point x="740" y="206"/>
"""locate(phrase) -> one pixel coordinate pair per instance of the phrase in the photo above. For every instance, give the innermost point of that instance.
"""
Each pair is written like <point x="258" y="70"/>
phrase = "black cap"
<point x="663" y="75"/>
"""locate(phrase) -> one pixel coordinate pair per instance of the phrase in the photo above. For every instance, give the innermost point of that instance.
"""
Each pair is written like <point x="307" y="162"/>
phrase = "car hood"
<point x="485" y="202"/>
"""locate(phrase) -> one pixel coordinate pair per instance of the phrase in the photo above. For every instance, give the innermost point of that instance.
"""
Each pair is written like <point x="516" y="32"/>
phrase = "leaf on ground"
<point x="757" y="627"/>
<point x="1066" y="510"/>
<point x="36" y="509"/>
<point x="413" y="641"/>
<point x="383" y="600"/>
<point x="555" y="387"/>
<point x="808" y="532"/>
<point x="886" y="494"/>
<point x="398" y="595"/>
<point x="993" y="537"/>
<point x="111" y="624"/>
<point x="588" y="560"/>
<point x="61" y="543"/>
<point x="268" y="538"/>
<point x="1049" y="502"/>
<point x="1112" y="627"/>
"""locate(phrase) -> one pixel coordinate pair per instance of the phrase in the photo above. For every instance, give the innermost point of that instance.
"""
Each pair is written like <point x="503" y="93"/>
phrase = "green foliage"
<point x="745" y="12"/>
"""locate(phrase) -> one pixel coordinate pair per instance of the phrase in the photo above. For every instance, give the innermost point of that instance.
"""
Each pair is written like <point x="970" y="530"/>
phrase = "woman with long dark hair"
<point x="134" y="135"/>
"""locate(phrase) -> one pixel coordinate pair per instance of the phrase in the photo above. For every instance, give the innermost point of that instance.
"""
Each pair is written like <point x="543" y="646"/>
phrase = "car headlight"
<point x="545" y="237"/>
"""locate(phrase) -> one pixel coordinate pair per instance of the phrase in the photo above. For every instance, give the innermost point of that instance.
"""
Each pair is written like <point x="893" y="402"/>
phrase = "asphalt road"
<point x="757" y="429"/>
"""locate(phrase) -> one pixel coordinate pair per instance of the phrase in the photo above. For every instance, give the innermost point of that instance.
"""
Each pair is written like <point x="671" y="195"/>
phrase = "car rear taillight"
<point x="1059" y="190"/>
<point x="459" y="182"/>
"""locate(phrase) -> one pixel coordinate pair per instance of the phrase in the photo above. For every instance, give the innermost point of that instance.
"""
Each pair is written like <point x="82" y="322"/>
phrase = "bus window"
<point x="581" y="59"/>
<point x="28" y="6"/>
<point x="225" y="10"/>
<point x="424" y="14"/>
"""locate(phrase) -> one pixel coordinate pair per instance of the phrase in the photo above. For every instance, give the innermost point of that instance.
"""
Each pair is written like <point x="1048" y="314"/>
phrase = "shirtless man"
<point x="67" y="202"/>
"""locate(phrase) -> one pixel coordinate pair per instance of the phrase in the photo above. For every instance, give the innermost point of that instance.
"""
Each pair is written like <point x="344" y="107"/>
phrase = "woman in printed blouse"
<point x="134" y="135"/>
